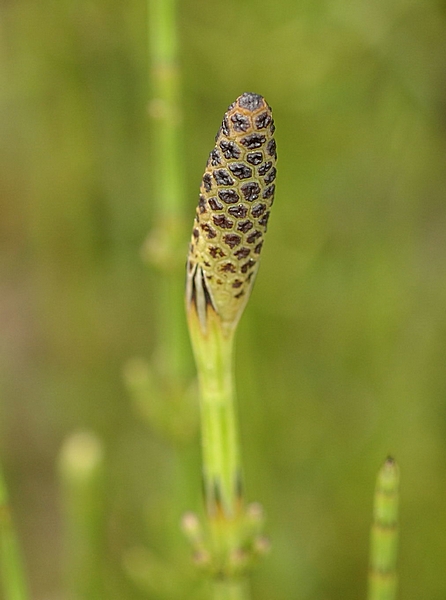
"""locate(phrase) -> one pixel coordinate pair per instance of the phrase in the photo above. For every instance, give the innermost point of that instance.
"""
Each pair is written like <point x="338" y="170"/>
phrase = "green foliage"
<point x="340" y="356"/>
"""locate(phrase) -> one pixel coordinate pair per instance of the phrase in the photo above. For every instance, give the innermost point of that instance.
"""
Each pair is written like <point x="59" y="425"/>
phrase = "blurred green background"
<point x="341" y="352"/>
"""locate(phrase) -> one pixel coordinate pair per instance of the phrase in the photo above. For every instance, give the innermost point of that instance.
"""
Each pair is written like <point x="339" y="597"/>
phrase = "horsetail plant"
<point x="384" y="534"/>
<point x="236" y="195"/>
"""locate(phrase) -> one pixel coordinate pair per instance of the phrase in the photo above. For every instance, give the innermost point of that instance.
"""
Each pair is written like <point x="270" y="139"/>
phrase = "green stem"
<point x="222" y="471"/>
<point x="81" y="472"/>
<point x="384" y="534"/>
<point x="166" y="238"/>
<point x="13" y="577"/>
<point x="231" y="590"/>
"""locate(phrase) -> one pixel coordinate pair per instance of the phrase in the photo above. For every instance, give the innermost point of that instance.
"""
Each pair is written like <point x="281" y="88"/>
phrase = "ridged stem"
<point x="221" y="456"/>
<point x="12" y="573"/>
<point x="167" y="185"/>
<point x="222" y="470"/>
<point x="384" y="534"/>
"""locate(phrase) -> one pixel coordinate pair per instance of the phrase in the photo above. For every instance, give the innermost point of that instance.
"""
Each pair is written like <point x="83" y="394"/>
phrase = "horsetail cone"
<point x="236" y="195"/>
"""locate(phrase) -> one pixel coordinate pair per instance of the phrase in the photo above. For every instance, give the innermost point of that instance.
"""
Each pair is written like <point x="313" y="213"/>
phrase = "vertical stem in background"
<point x="167" y="184"/>
<point x="81" y="474"/>
<point x="384" y="534"/>
<point x="12" y="574"/>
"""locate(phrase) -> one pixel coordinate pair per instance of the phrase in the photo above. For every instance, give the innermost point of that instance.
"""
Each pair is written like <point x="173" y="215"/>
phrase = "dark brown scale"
<point x="222" y="177"/>
<point x="245" y="226"/>
<point x="251" y="239"/>
<point x="248" y="265"/>
<point x="215" y="204"/>
<point x="248" y="279"/>
<point x="215" y="158"/>
<point x="206" y="263"/>
<point x="263" y="169"/>
<point x="250" y="191"/>
<point x="230" y="149"/>
<point x="240" y="122"/>
<point x="258" y="210"/>
<point x="237" y="283"/>
<point x="216" y="252"/>
<point x="258" y="248"/>
<point x="228" y="268"/>
<point x="242" y="253"/>
<point x="240" y="170"/>
<point x="240" y="294"/>
<point x="263" y="120"/>
<point x="202" y="205"/>
<point x="228" y="196"/>
<point x="209" y="230"/>
<point x="207" y="182"/>
<point x="269" y="191"/>
<point x="225" y="127"/>
<point x="264" y="220"/>
<point x="272" y="128"/>
<point x="223" y="221"/>
<point x="239" y="211"/>
<point x="271" y="176"/>
<point x="195" y="233"/>
<point x="232" y="239"/>
<point x="255" y="158"/>
<point x="255" y="140"/>
<point x="271" y="148"/>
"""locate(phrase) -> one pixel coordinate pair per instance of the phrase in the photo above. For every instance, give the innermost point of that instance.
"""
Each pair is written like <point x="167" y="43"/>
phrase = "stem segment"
<point x="222" y="471"/>
<point x="12" y="574"/>
<point x="384" y="535"/>
<point x="164" y="243"/>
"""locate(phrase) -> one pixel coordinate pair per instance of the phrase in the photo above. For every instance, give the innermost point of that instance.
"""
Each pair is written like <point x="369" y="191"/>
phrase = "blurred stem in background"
<point x="161" y="388"/>
<point x="384" y="535"/>
<point x="163" y="244"/>
<point x="13" y="581"/>
<point x="81" y="468"/>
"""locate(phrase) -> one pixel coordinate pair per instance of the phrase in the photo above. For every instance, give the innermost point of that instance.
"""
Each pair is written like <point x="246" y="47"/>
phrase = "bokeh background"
<point x="341" y="352"/>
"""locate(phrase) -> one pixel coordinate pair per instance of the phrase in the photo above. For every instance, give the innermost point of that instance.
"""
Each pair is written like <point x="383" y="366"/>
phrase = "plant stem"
<point x="13" y="577"/>
<point x="81" y="472"/>
<point x="384" y="534"/>
<point x="232" y="590"/>
<point x="221" y="457"/>
<point x="165" y="239"/>
<point x="222" y="470"/>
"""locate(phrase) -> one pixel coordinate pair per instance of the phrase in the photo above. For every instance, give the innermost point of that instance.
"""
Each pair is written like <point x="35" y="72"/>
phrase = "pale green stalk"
<point x="231" y="591"/>
<point x="82" y="478"/>
<point x="167" y="185"/>
<point x="384" y="534"/>
<point x="222" y="471"/>
<point x="12" y="574"/>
